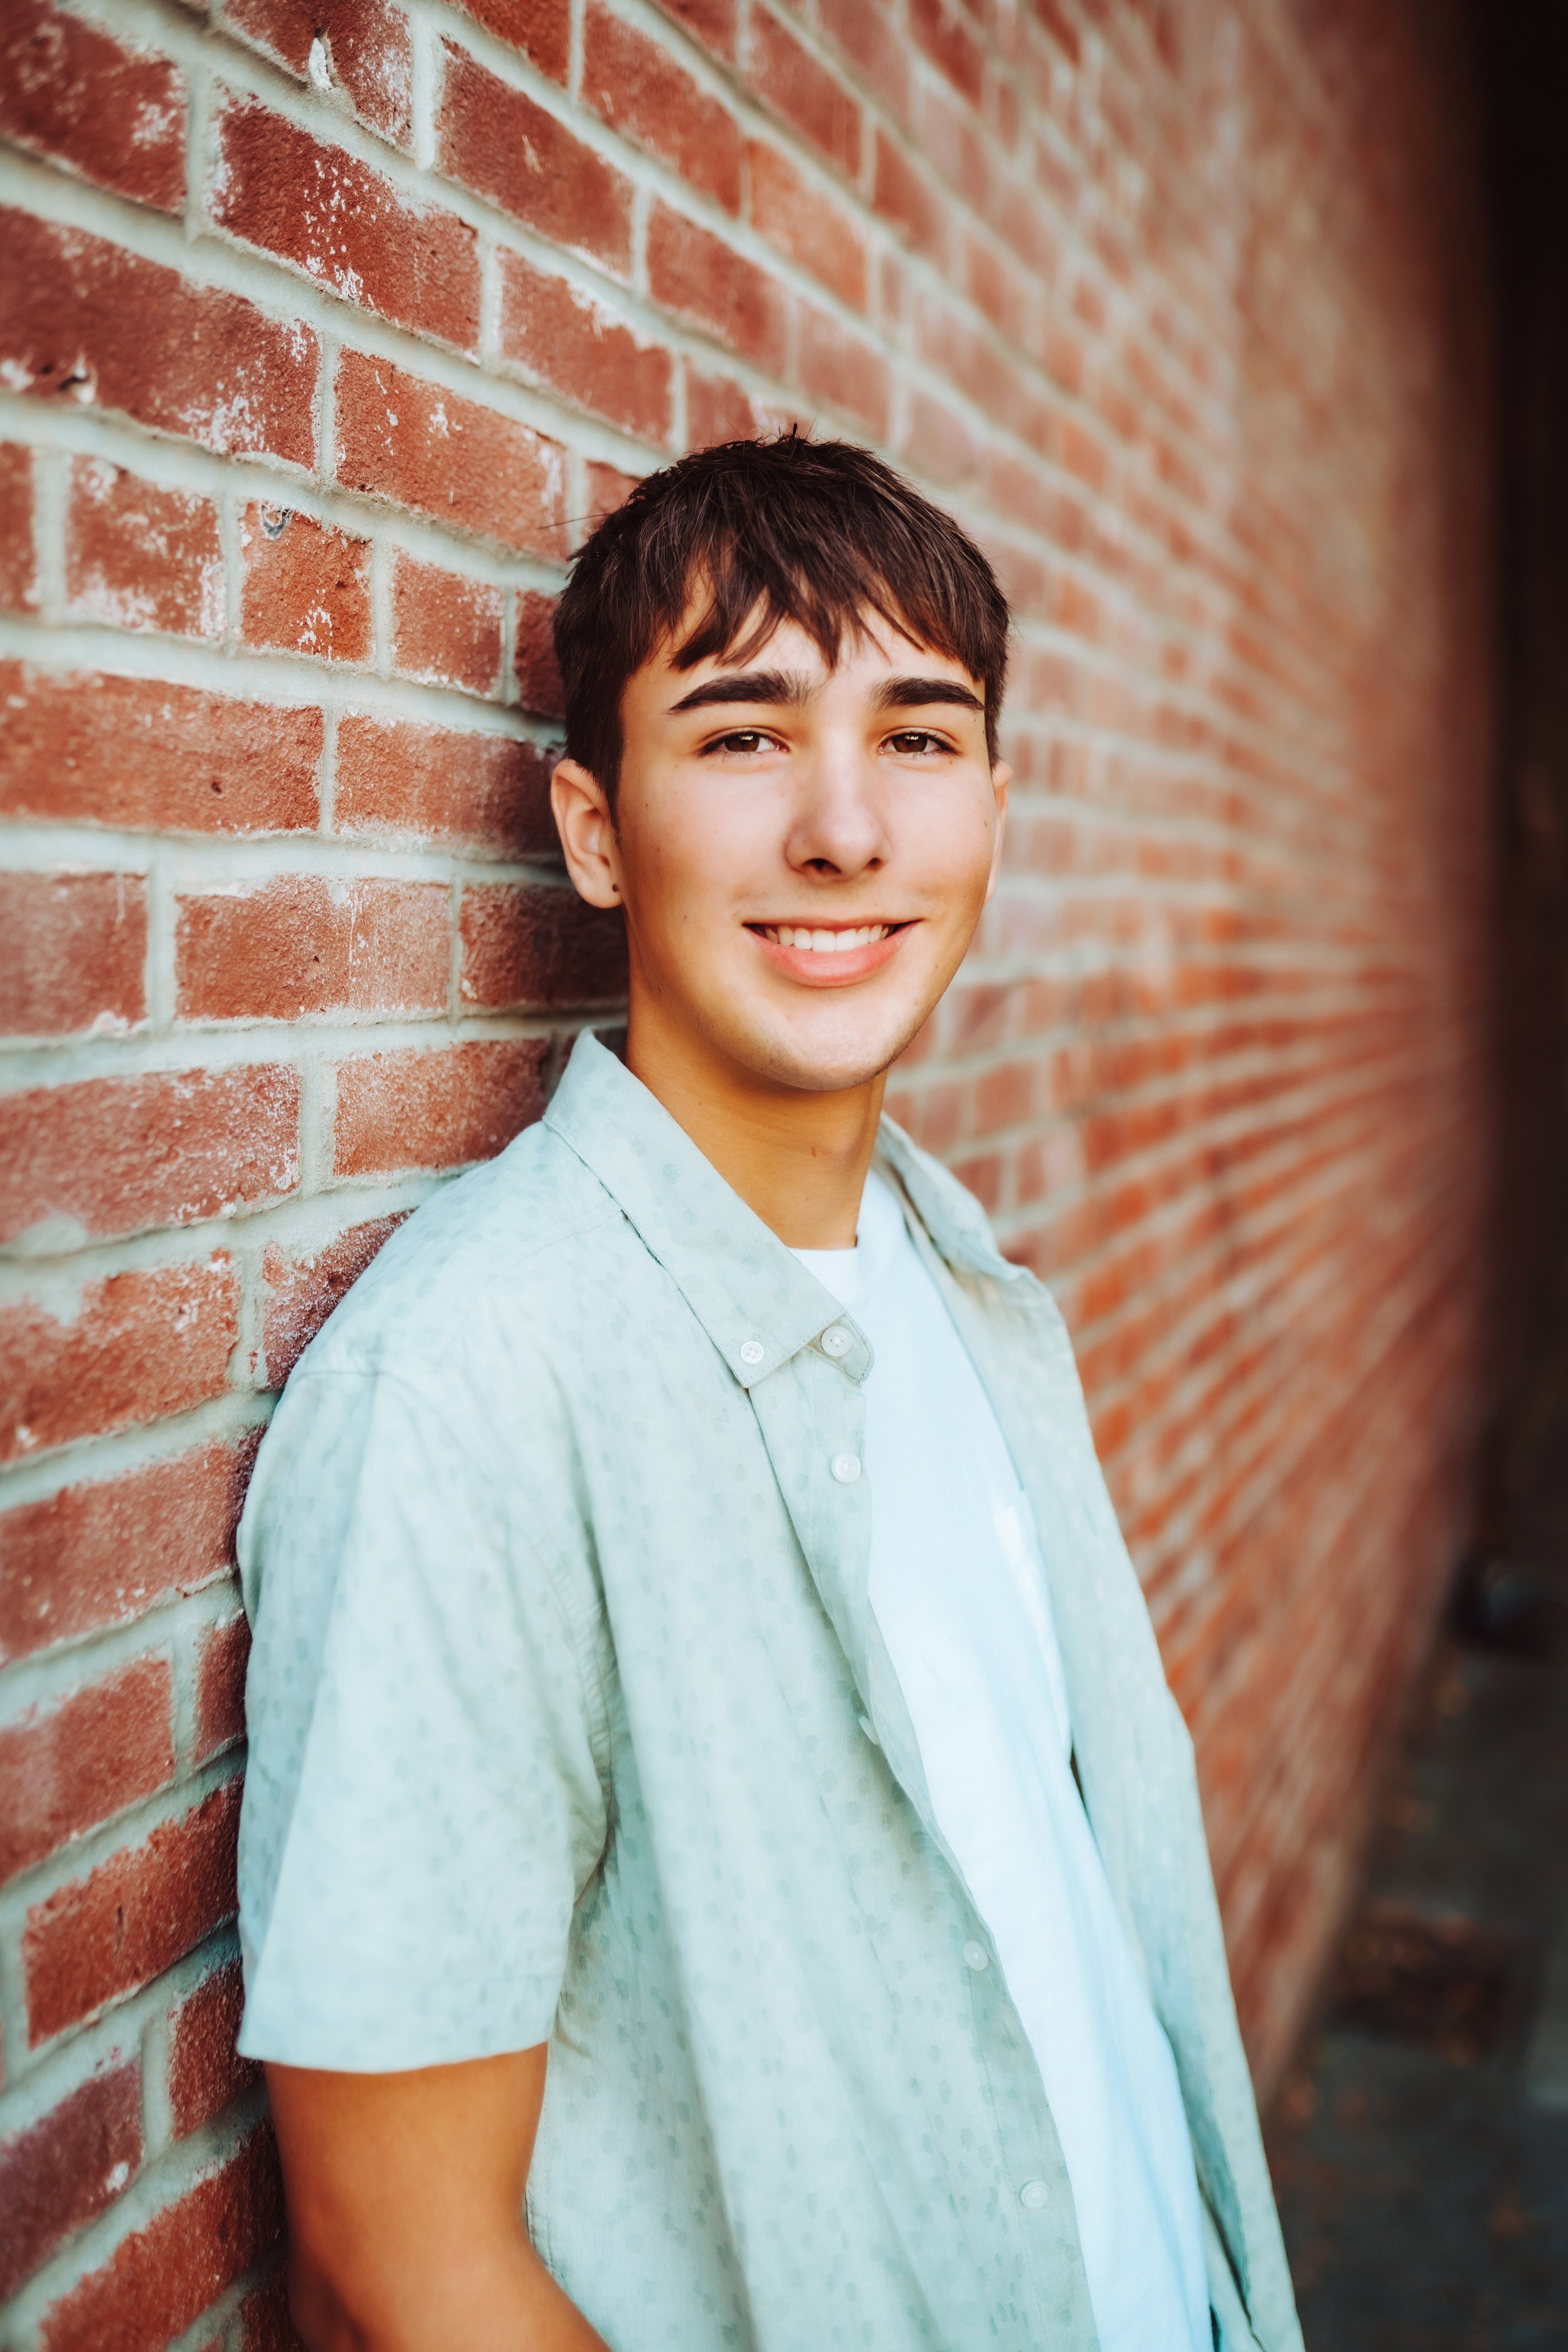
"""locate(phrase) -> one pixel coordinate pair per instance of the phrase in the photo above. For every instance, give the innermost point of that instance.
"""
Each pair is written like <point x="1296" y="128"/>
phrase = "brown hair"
<point x="818" y="533"/>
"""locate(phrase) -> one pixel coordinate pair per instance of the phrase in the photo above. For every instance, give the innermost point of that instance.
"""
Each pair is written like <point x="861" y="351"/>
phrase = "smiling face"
<point x="803" y="852"/>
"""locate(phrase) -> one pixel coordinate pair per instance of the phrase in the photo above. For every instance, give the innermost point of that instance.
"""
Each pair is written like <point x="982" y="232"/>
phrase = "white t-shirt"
<point x="959" y="1593"/>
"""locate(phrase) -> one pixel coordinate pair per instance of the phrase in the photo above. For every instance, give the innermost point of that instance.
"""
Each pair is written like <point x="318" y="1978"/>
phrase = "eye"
<point x="743" y="741"/>
<point x="914" y="742"/>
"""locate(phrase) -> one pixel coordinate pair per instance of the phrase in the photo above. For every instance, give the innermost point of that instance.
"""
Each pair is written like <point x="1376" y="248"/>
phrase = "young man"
<point x="720" y="1867"/>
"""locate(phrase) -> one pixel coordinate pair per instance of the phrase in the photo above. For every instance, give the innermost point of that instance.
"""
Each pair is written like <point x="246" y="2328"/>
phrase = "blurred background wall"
<point x="326" y="328"/>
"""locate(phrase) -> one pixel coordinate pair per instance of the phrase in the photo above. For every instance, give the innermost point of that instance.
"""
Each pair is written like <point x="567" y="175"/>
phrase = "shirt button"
<point x="845" y="1468"/>
<point x="1033" y="2195"/>
<point x="752" y="1351"/>
<point x="836" y="1342"/>
<point x="977" y="1956"/>
<point x="870" y="1729"/>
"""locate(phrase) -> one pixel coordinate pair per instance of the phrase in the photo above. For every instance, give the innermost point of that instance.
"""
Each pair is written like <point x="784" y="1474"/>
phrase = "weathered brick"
<point x="83" y="321"/>
<point x="555" y="335"/>
<point x="940" y="33"/>
<point x="540" y="30"/>
<point x="301" y="1292"/>
<point x="116" y="1155"/>
<point x="66" y="1767"/>
<point x="805" y="93"/>
<point x="100" y="1938"/>
<point x="712" y="22"/>
<point x="220" y="1687"/>
<point x="297" y="945"/>
<point x="693" y="273"/>
<point x="369" y="55"/>
<point x="205" y="2071"/>
<point x="265" y="2323"/>
<point x="608" y="488"/>
<point x="305" y="585"/>
<point x="637" y="85"/>
<point x="73" y="954"/>
<point x="907" y="197"/>
<point x="445" y="627"/>
<point x="113" y="110"/>
<point x="403" y="439"/>
<point x="530" y="943"/>
<point x="438" y="1109"/>
<point x="160" y="2280"/>
<point x="843" y="369"/>
<point x="18" y="561"/>
<point x="808" y="227"/>
<point x="137" y="753"/>
<point x="403" y="779"/>
<point x="141" y="557"/>
<point x="141" y="1345"/>
<point x="718" y="410"/>
<point x="67" y="2169"/>
<point x="102" y="1553"/>
<point x="538" y="671"/>
<point x="877" y="47"/>
<point x="345" y="226"/>
<point x="498" y="142"/>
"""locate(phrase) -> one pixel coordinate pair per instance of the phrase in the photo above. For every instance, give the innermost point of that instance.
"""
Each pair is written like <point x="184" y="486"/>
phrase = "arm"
<point x="406" y="2215"/>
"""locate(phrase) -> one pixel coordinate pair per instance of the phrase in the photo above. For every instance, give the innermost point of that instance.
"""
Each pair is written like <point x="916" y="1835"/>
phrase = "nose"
<point x="839" y="829"/>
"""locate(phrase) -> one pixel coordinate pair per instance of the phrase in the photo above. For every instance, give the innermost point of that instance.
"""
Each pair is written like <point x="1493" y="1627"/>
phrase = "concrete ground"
<point x="1420" y="2143"/>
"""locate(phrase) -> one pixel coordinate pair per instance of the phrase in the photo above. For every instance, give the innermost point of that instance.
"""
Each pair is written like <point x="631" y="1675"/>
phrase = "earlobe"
<point x="581" y="810"/>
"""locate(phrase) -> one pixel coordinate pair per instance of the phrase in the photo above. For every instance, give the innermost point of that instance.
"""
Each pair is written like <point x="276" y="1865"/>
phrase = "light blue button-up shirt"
<point x="570" y="1722"/>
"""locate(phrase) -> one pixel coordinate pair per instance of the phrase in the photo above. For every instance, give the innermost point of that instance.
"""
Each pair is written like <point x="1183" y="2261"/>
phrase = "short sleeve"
<point x="423" y="1801"/>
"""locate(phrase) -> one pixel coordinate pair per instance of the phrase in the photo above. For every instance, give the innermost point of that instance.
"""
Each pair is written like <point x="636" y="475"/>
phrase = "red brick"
<point x="692" y="272"/>
<point x="403" y="779"/>
<point x="445" y="627"/>
<point x="498" y="142"/>
<point x="83" y="321"/>
<point x="141" y="1345"/>
<point x="116" y="1155"/>
<point x="540" y="30"/>
<point x="904" y="194"/>
<point x="949" y="44"/>
<point x="344" y="225"/>
<point x="439" y="1110"/>
<point x="843" y="370"/>
<point x="718" y="410"/>
<point x="711" y="22"/>
<point x="66" y="1768"/>
<point x="806" y="226"/>
<point x="140" y="557"/>
<point x="538" y="671"/>
<point x="265" y="2322"/>
<point x="637" y="85"/>
<point x="553" y="334"/>
<point x="531" y="943"/>
<point x="304" y="587"/>
<point x="368" y="49"/>
<point x="220" y="1687"/>
<point x="160" y="2280"/>
<point x="608" y="488"/>
<point x="874" y="45"/>
<point x="18" y="567"/>
<point x="100" y="1936"/>
<point x="403" y="439"/>
<point x="73" y="953"/>
<point x="805" y="93"/>
<point x="301" y="1292"/>
<point x="114" y="110"/>
<point x="205" y="2071"/>
<point x="137" y="753"/>
<point x="67" y="2169"/>
<point x="100" y="1554"/>
<point x="298" y="944"/>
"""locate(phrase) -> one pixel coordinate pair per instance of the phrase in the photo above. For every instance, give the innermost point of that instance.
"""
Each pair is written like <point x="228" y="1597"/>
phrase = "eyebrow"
<point x="795" y="690"/>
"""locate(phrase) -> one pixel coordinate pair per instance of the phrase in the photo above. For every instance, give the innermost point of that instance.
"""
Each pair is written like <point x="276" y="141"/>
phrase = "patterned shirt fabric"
<point x="570" y="1721"/>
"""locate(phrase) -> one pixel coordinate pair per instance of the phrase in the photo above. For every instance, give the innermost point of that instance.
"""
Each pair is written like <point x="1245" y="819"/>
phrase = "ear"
<point x="588" y="830"/>
<point x="1001" y="777"/>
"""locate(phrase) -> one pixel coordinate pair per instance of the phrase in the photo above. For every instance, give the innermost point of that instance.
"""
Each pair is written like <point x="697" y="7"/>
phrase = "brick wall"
<point x="327" y="326"/>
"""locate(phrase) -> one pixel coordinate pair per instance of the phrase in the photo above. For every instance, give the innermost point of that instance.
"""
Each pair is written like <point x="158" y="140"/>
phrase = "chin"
<point x="829" y="1065"/>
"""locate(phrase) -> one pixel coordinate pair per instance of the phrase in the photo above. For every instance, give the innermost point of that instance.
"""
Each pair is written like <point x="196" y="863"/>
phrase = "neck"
<point x="798" y="1159"/>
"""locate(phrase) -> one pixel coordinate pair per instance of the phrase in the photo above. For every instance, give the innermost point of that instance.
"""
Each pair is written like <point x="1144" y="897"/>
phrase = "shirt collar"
<point x="746" y="1289"/>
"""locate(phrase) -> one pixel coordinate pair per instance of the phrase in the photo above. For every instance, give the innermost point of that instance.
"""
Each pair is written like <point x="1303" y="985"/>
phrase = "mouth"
<point x="825" y="955"/>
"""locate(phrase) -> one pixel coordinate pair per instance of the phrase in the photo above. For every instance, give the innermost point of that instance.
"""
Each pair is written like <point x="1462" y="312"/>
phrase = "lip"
<point x="813" y="968"/>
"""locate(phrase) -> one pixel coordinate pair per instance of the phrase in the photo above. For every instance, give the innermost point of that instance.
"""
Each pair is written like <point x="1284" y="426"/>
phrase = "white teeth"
<point x="796" y="935"/>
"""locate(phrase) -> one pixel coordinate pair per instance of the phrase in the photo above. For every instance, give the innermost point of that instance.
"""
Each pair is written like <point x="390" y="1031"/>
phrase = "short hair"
<point x="819" y="532"/>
